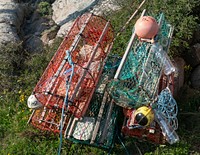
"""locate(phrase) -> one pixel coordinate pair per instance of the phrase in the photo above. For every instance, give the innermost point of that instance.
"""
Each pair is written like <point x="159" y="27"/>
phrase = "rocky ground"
<point x="22" y="21"/>
<point x="11" y="19"/>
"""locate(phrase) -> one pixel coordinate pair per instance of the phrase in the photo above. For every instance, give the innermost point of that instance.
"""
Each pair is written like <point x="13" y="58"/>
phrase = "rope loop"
<point x="167" y="105"/>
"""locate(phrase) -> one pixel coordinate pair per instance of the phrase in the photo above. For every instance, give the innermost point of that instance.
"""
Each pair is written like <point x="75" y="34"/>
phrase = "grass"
<point x="18" y="138"/>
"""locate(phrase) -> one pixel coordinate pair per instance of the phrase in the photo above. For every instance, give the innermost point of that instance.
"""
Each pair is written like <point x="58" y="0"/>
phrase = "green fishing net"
<point x="139" y="77"/>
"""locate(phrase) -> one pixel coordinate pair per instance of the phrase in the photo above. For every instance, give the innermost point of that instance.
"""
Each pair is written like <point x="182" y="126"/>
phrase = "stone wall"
<point x="11" y="19"/>
<point x="66" y="11"/>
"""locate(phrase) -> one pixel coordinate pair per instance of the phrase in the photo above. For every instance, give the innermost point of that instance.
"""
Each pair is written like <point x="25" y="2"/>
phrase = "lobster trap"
<point x="87" y="45"/>
<point x="89" y="128"/>
<point x="84" y="88"/>
<point x="152" y="133"/>
<point x="140" y="81"/>
<point x="81" y="55"/>
<point x="137" y="83"/>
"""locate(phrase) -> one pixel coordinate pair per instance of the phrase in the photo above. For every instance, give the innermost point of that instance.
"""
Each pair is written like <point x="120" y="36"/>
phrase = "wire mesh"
<point x="48" y="119"/>
<point x="139" y="78"/>
<point x="100" y="140"/>
<point x="89" y="42"/>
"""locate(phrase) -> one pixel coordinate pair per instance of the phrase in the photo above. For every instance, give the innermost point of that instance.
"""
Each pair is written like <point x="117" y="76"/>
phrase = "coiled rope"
<point x="167" y="105"/>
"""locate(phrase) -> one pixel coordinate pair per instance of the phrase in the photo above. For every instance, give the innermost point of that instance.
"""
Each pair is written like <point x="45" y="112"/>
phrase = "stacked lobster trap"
<point x="63" y="98"/>
<point x="143" y="84"/>
<point x="84" y="87"/>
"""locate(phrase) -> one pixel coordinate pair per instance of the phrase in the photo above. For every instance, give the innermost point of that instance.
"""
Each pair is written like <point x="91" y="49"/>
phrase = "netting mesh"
<point x="47" y="119"/>
<point x="99" y="137"/>
<point x="88" y="44"/>
<point x="138" y="80"/>
<point x="91" y="118"/>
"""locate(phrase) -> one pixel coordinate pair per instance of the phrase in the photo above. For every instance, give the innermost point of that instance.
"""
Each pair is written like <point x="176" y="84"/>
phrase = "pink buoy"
<point x="146" y="27"/>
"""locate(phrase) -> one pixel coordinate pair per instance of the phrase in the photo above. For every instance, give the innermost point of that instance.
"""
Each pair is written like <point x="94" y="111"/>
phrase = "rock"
<point x="36" y="24"/>
<point x="8" y="34"/>
<point x="196" y="38"/>
<point x="38" y="29"/>
<point x="64" y="29"/>
<point x="49" y="34"/>
<point x="193" y="57"/>
<point x="34" y="44"/>
<point x="66" y="11"/>
<point x="11" y="19"/>
<point x="105" y="6"/>
<point x="195" y="78"/>
<point x="50" y="43"/>
<point x="179" y="63"/>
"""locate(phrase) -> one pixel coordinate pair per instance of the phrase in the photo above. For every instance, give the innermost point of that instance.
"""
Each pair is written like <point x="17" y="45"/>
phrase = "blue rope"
<point x="68" y="82"/>
<point x="111" y="66"/>
<point x="167" y="105"/>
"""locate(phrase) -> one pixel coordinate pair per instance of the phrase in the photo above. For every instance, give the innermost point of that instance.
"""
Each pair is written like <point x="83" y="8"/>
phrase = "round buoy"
<point x="33" y="103"/>
<point x="146" y="27"/>
<point x="144" y="116"/>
